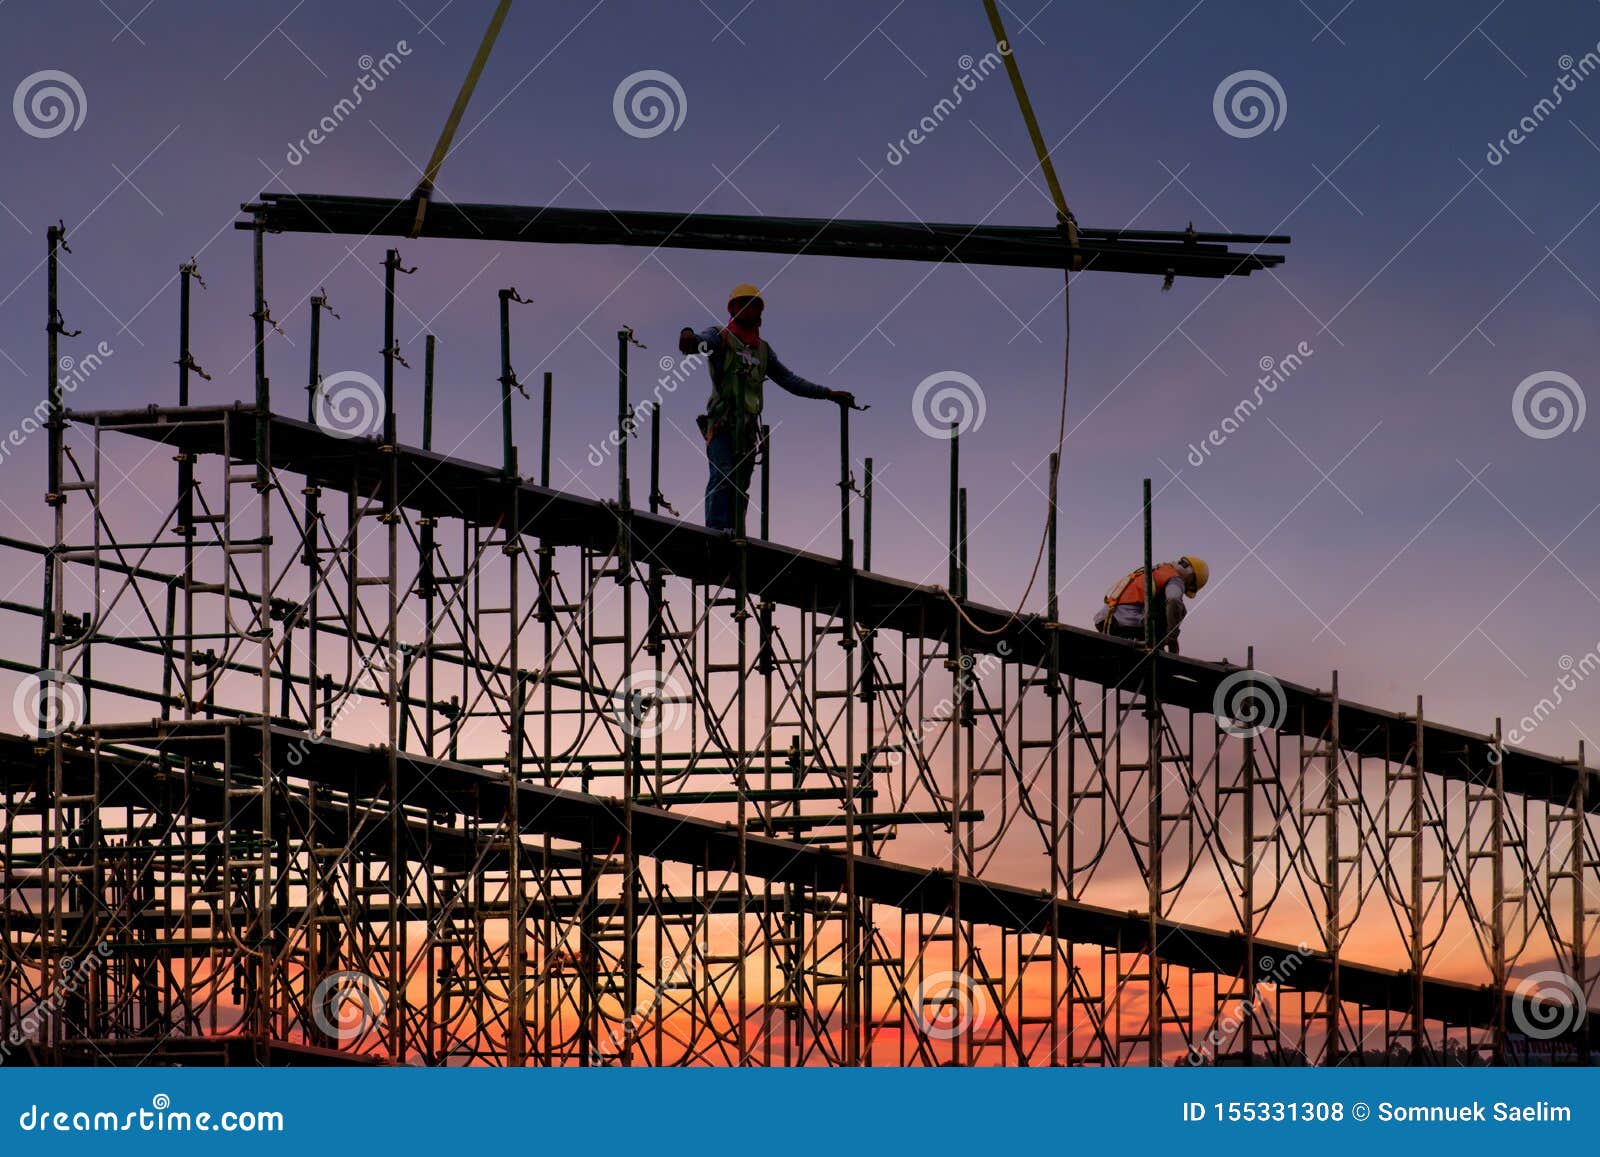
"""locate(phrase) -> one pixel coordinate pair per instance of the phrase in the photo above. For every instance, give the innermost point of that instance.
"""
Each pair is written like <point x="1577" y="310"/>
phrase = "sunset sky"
<point x="1381" y="514"/>
<point x="1410" y="505"/>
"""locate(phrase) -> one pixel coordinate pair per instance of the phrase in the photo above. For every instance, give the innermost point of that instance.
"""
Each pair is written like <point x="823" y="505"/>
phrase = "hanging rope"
<point x="1070" y="224"/>
<point x="453" y="122"/>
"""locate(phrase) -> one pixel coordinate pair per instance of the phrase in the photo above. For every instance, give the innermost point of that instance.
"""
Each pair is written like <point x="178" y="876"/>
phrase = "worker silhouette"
<point x="740" y="361"/>
<point x="1122" y="617"/>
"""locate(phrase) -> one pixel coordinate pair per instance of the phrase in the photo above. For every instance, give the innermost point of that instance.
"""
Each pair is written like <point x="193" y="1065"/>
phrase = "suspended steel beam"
<point x="1177" y="254"/>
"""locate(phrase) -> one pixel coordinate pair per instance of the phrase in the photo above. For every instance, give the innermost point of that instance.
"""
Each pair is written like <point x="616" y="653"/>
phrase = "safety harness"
<point x="1129" y="592"/>
<point x="737" y="374"/>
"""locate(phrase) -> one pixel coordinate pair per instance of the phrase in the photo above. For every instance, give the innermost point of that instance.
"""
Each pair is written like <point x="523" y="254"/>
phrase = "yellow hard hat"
<point x="1201" y="571"/>
<point x="745" y="290"/>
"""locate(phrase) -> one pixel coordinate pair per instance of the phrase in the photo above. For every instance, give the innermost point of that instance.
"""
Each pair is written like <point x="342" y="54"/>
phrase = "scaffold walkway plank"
<point x="597" y="821"/>
<point x="440" y="486"/>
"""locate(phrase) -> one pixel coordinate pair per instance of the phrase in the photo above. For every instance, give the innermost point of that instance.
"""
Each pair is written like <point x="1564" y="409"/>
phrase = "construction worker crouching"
<point x="740" y="361"/>
<point x="1122" y="616"/>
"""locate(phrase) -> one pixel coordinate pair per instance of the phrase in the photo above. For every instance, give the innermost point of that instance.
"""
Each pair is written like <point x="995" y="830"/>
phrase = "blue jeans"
<point x="729" y="479"/>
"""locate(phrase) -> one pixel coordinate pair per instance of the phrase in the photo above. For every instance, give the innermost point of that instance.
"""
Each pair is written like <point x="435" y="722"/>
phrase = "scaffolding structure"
<point x="437" y="764"/>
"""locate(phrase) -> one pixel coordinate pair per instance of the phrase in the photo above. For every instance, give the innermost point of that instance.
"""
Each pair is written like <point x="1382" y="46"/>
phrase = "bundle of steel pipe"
<point x="1179" y="254"/>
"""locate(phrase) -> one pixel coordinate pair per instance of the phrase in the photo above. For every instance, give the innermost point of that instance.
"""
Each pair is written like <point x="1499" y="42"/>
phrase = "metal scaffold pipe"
<point x="508" y="382"/>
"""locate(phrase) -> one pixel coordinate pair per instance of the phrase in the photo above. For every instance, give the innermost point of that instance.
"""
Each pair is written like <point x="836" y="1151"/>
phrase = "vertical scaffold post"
<point x="51" y="617"/>
<point x="185" y="271"/>
<point x="184" y="527"/>
<point x="624" y="419"/>
<point x="58" y="820"/>
<point x="546" y="551"/>
<point x="625" y="431"/>
<point x="655" y="588"/>
<point x="656" y="497"/>
<point x="186" y="274"/>
<point x="765" y="657"/>
<point x="955" y="490"/>
<point x="847" y="562"/>
<point x="1498" y="963"/>
<point x="314" y="360"/>
<point x="847" y="640"/>
<point x="1052" y="601"/>
<point x="427" y="546"/>
<point x="1052" y="690"/>
<point x="312" y="556"/>
<point x="262" y="319"/>
<point x="1150" y="640"/>
<point x="1578" y="823"/>
<point x="508" y="382"/>
<point x="1419" y="939"/>
<point x="391" y="345"/>
<point x="765" y="444"/>
<point x="508" y="455"/>
<point x="1154" y="785"/>
<point x="1333" y="932"/>
<point x="1247" y="859"/>
<point x="55" y="328"/>
<point x="961" y="540"/>
<point x="868" y="659"/>
<point x="546" y="415"/>
<point x="427" y="391"/>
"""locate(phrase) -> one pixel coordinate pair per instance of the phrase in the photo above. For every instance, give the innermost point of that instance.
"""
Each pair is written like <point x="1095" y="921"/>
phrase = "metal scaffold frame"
<point x="527" y="778"/>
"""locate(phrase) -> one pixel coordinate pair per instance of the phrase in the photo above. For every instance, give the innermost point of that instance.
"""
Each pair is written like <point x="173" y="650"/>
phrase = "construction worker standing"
<point x="1123" y="614"/>
<point x="740" y="361"/>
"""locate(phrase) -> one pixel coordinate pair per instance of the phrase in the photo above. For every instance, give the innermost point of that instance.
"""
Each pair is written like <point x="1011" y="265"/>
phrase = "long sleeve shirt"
<point x="711" y="340"/>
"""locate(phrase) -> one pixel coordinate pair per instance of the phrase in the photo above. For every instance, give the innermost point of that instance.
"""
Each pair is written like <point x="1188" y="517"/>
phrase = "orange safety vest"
<point x="1130" y="591"/>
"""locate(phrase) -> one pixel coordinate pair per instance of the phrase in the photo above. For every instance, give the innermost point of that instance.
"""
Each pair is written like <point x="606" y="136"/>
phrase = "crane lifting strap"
<point x="453" y="122"/>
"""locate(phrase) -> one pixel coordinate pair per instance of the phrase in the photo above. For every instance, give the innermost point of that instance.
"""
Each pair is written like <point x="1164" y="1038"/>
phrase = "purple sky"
<point x="1443" y="551"/>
